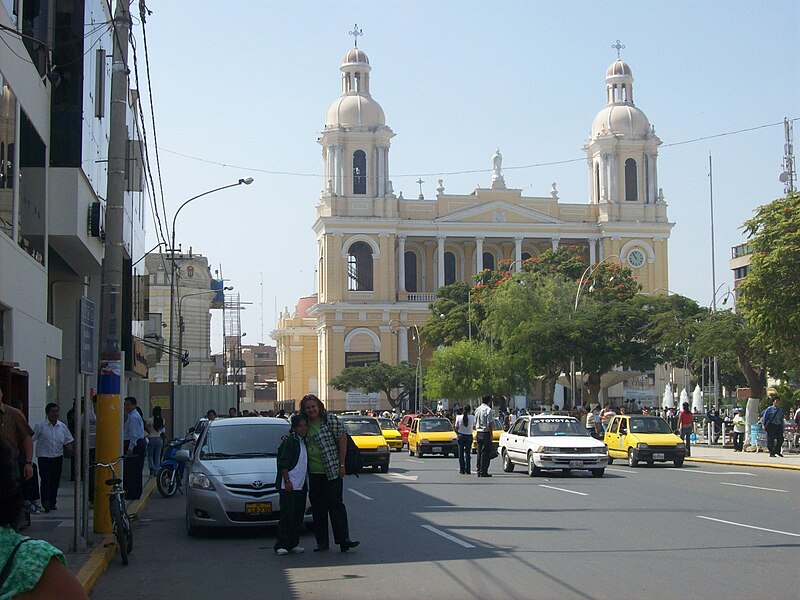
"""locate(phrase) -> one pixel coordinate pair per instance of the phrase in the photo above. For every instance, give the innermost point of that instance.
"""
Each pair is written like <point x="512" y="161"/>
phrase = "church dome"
<point x="355" y="56"/>
<point x="624" y="120"/>
<point x="618" y="67"/>
<point x="355" y="110"/>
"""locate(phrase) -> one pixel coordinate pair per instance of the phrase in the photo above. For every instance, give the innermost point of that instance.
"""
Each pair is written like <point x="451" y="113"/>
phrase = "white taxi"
<point x="552" y="442"/>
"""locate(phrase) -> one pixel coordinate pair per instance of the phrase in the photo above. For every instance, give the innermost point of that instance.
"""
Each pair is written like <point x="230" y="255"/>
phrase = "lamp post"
<point x="588" y="272"/>
<point x="181" y="325"/>
<point x="713" y="310"/>
<point x="246" y="181"/>
<point x="418" y="370"/>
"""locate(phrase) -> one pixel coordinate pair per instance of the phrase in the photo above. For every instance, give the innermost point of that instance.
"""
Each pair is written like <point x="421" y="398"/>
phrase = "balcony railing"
<point x="416" y="297"/>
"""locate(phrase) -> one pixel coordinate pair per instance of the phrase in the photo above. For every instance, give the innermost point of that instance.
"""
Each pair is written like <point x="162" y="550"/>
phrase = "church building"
<point x="381" y="257"/>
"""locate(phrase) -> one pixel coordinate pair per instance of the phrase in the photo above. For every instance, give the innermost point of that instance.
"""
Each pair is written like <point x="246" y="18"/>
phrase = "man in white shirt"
<point x="134" y="446"/>
<point x="484" y="421"/>
<point x="52" y="437"/>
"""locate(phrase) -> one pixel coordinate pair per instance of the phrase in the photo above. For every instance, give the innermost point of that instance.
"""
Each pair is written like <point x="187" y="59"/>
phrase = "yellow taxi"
<point x="366" y="433"/>
<point x="432" y="435"/>
<point x="391" y="434"/>
<point x="497" y="431"/>
<point x="643" y="438"/>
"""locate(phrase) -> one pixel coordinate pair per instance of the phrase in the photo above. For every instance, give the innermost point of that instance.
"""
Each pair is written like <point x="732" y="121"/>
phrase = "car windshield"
<point x="435" y="425"/>
<point x="649" y="425"/>
<point x="557" y="427"/>
<point x="243" y="441"/>
<point x="387" y="424"/>
<point x="365" y="426"/>
<point x="497" y="425"/>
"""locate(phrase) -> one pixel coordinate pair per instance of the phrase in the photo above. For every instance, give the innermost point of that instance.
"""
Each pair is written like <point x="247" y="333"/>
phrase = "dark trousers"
<point x="464" y="453"/>
<point x="686" y="436"/>
<point x="290" y="526"/>
<point x="30" y="488"/>
<point x="774" y="438"/>
<point x="738" y="441"/>
<point x="132" y="473"/>
<point x="326" y="501"/>
<point x="484" y="451"/>
<point x="50" y="472"/>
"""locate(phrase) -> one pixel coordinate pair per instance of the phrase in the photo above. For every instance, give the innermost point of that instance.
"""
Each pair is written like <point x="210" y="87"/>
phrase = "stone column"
<point x="402" y="344"/>
<point x="592" y="251"/>
<point x="401" y="265"/>
<point x="518" y="252"/>
<point x="554" y="243"/>
<point x="478" y="254"/>
<point x="440" y="241"/>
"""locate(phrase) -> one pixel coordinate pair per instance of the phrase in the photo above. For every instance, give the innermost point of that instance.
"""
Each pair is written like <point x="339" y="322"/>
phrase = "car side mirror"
<point x="182" y="456"/>
<point x="191" y="430"/>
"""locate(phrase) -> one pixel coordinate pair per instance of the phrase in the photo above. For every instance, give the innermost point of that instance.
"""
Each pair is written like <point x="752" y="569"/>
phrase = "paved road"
<point x="703" y="531"/>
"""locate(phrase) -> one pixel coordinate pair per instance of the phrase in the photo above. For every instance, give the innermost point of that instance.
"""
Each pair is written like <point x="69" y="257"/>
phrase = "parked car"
<point x="391" y="434"/>
<point x="497" y="430"/>
<point x="432" y="435"/>
<point x="232" y="474"/>
<point x="404" y="426"/>
<point x="366" y="433"/>
<point x="643" y="438"/>
<point x="551" y="442"/>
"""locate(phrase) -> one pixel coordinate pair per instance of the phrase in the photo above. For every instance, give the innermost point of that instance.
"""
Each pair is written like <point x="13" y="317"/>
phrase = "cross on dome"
<point x="616" y="46"/>
<point x="357" y="32"/>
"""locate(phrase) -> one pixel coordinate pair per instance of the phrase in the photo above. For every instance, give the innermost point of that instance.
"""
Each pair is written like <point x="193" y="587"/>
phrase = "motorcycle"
<point x="170" y="472"/>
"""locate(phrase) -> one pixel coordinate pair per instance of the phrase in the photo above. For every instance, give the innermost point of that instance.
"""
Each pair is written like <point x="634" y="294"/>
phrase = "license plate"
<point x="576" y="464"/>
<point x="658" y="456"/>
<point x="436" y="449"/>
<point x="257" y="508"/>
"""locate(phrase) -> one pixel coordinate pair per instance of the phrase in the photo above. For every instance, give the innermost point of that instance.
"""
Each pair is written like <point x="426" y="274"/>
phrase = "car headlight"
<point x="381" y="448"/>
<point x="603" y="450"/>
<point x="200" y="481"/>
<point x="642" y="446"/>
<point x="541" y="449"/>
<point x="680" y="446"/>
<point x="453" y="439"/>
<point x="425" y="441"/>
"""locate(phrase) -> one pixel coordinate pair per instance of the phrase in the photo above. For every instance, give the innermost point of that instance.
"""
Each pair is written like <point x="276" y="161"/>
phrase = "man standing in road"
<point x="739" y="426"/>
<point x="772" y="421"/>
<point x="134" y="447"/>
<point x="483" y="425"/>
<point x="52" y="437"/>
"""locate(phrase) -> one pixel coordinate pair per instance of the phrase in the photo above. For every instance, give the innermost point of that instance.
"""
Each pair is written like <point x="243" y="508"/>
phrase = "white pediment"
<point x="498" y="211"/>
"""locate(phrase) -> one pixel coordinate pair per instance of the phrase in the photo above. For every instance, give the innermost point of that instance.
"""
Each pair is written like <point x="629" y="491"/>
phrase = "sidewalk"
<point x="718" y="454"/>
<point x="56" y="527"/>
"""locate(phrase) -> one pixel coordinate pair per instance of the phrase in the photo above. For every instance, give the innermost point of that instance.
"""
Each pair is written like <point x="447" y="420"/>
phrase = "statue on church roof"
<point x="497" y="171"/>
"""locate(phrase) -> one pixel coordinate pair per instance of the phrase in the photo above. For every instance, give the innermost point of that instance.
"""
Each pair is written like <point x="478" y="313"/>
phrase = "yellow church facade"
<point x="381" y="257"/>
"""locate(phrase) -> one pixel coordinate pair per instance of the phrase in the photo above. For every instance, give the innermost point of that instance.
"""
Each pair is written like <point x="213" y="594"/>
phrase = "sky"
<point x="241" y="90"/>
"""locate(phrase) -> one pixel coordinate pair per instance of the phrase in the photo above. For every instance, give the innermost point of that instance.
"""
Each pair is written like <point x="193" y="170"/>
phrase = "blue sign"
<point x="86" y="350"/>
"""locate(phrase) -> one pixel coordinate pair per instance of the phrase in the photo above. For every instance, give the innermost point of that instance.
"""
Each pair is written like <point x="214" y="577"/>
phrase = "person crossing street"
<point x="484" y="419"/>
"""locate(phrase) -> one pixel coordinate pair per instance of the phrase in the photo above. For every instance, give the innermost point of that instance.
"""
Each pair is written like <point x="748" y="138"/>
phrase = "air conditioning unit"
<point x="97" y="220"/>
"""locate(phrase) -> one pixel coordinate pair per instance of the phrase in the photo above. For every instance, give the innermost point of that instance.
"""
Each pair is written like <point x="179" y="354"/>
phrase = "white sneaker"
<point x="297" y="550"/>
<point x="281" y="552"/>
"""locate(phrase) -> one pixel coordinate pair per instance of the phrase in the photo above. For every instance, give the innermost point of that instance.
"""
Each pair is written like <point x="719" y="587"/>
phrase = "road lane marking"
<point x="753" y="487"/>
<point x="562" y="490"/>
<point x="422" y="462"/>
<point x="699" y="472"/>
<point x="748" y="526"/>
<point x="628" y="471"/>
<point x="359" y="494"/>
<point x="447" y="536"/>
<point x="404" y="477"/>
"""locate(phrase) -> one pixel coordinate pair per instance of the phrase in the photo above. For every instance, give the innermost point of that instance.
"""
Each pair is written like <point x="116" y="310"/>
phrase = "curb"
<point x="103" y="554"/>
<point x="739" y="463"/>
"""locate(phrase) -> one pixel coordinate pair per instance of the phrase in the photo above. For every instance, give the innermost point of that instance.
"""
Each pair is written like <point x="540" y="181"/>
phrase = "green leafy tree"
<point x="397" y="382"/>
<point x="449" y="317"/>
<point x="770" y="294"/>
<point x="468" y="370"/>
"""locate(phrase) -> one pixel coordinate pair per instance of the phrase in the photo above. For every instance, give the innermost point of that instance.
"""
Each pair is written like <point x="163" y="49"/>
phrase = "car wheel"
<point x="419" y="453"/>
<point x="610" y="460"/>
<point x="193" y="531"/>
<point x="678" y="462"/>
<point x="385" y="468"/>
<point x="533" y="470"/>
<point x="650" y="463"/>
<point x="598" y="472"/>
<point x="632" y="462"/>
<point x="508" y="466"/>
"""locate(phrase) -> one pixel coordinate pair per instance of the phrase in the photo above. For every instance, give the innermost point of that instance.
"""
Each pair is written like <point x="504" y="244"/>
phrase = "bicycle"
<point x="119" y="514"/>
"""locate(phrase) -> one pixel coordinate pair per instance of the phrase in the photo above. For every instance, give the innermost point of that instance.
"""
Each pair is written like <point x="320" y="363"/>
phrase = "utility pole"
<point x="713" y="272"/>
<point x="109" y="401"/>
<point x="788" y="176"/>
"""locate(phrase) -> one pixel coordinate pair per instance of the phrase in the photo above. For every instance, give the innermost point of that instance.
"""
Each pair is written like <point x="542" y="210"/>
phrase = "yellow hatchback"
<point x="432" y="435"/>
<point x="366" y="433"/>
<point x="391" y="434"/>
<point x="497" y="431"/>
<point x="641" y="438"/>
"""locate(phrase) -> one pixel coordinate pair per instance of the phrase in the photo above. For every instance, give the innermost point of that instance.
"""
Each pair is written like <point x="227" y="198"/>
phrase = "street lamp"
<point x="181" y="325"/>
<point x="246" y="181"/>
<point x="588" y="272"/>
<point x="418" y="370"/>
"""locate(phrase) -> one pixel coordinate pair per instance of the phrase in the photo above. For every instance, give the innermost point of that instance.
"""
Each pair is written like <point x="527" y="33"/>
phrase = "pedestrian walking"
<point x="465" y="423"/>
<point x="606" y="415"/>
<point x="14" y="429"/>
<point x="484" y="425"/>
<point x="686" y="426"/>
<point x="739" y="426"/>
<point x="292" y="484"/>
<point x="134" y="448"/>
<point x="772" y="421"/>
<point x="155" y="441"/>
<point x="52" y="438"/>
<point x="327" y="448"/>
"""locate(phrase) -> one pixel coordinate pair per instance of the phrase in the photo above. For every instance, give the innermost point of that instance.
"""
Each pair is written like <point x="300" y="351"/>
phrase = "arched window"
<point x="630" y="180"/>
<point x="359" y="172"/>
<point x="359" y="267"/>
<point x="488" y="261"/>
<point x="410" y="259"/>
<point x="526" y="256"/>
<point x="449" y="268"/>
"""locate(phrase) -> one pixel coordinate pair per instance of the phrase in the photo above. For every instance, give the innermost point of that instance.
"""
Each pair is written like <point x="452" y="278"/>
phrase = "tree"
<point x="770" y="294"/>
<point x="468" y="370"/>
<point x="449" y="317"/>
<point x="396" y="381"/>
